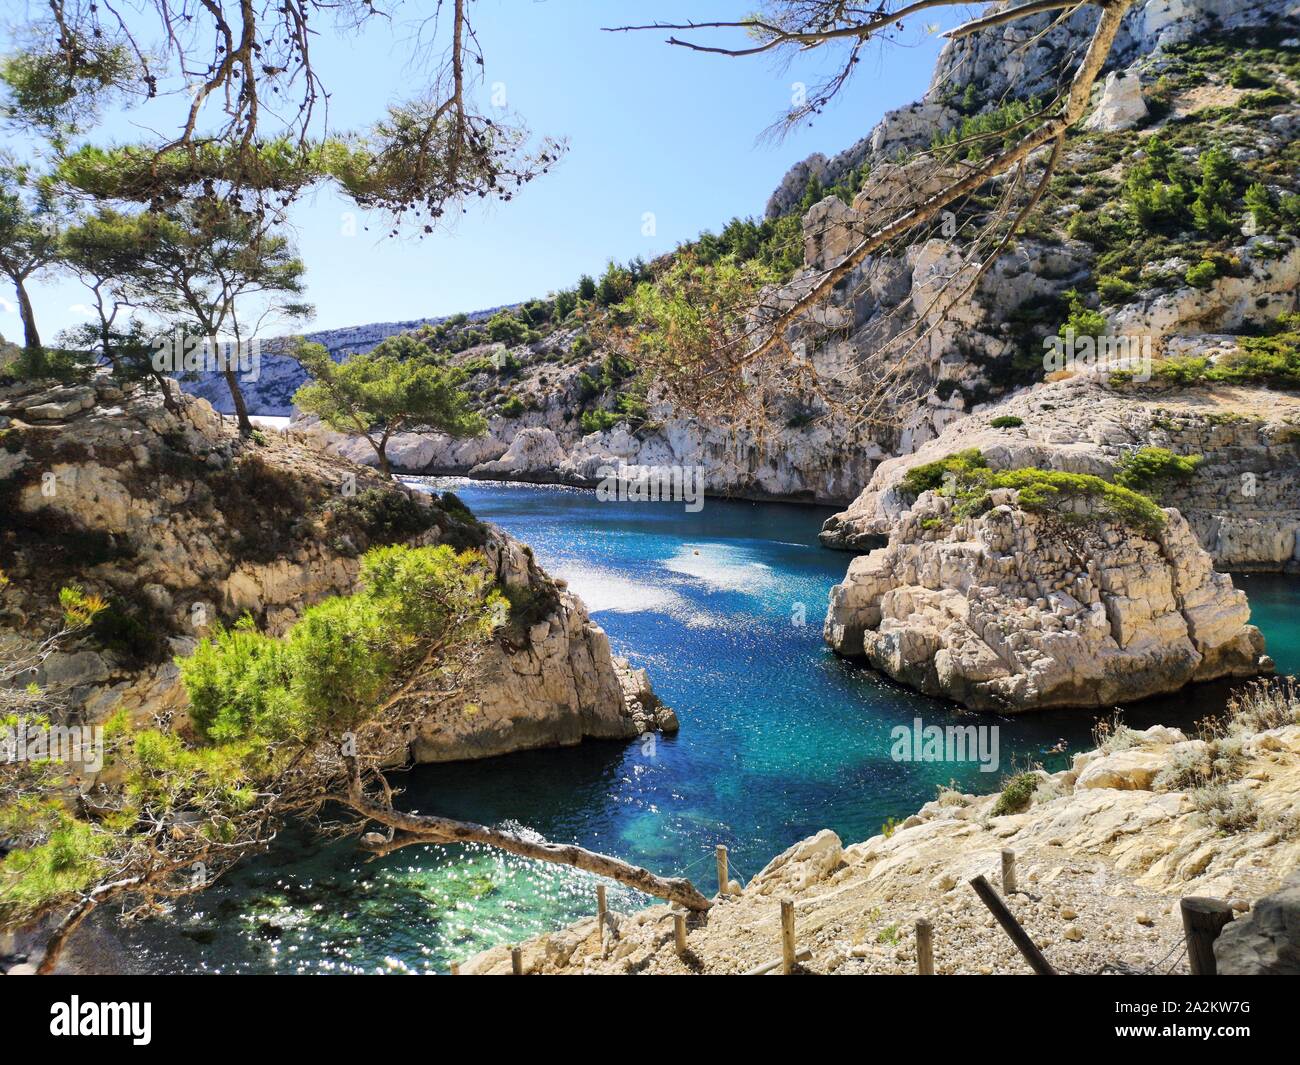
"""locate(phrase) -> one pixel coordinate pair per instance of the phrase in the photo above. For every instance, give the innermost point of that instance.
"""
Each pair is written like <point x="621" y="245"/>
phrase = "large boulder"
<point x="1015" y="609"/>
<point x="1266" y="942"/>
<point x="533" y="451"/>
<point x="1121" y="105"/>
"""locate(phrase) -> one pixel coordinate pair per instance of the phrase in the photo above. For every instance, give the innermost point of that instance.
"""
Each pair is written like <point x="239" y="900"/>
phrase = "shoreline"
<point x="547" y="480"/>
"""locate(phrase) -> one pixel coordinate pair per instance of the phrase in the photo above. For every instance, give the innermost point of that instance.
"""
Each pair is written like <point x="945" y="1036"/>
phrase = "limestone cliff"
<point x="179" y="523"/>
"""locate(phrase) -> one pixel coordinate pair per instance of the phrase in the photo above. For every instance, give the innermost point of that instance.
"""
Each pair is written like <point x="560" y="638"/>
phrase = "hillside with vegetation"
<point x="1177" y="221"/>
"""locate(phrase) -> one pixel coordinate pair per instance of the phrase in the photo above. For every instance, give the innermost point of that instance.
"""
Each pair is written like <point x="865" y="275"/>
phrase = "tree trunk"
<point x="31" y="338"/>
<point x="423" y="828"/>
<point x="241" y="410"/>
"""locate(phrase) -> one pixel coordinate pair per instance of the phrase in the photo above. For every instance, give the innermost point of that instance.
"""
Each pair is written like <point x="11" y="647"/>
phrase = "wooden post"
<point x="1011" y="926"/>
<point x="601" y="909"/>
<point x="787" y="937"/>
<point x="516" y="961"/>
<point x="1008" y="872"/>
<point x="1203" y="920"/>
<point x="679" y="934"/>
<point x="722" y="869"/>
<point x="924" y="948"/>
<point x="455" y="968"/>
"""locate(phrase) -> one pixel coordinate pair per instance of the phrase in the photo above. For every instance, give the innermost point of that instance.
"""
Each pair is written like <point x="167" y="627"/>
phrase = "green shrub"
<point x="453" y="504"/>
<point x="1184" y="371"/>
<point x="504" y="328"/>
<point x="1159" y="186"/>
<point x="330" y="672"/>
<point x="1007" y="421"/>
<point x="931" y="476"/>
<point x="1272" y="360"/>
<point x="512" y="407"/>
<point x="1262" y="207"/>
<point x="1082" y="320"/>
<point x="1239" y="77"/>
<point x="375" y="516"/>
<point x="597" y="421"/>
<point x="1115" y="290"/>
<point x="1017" y="794"/>
<point x="1212" y="208"/>
<point x="1202" y="275"/>
<point x="1151" y="468"/>
<point x="1261" y="101"/>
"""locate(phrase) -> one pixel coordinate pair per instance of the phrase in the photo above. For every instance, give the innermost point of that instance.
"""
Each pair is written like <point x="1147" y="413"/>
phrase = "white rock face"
<point x="1121" y="105"/>
<point x="532" y="451"/>
<point x="554" y="687"/>
<point x="1013" y="610"/>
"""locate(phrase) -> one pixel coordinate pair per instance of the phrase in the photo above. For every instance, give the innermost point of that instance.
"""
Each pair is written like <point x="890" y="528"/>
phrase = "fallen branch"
<point x="424" y="828"/>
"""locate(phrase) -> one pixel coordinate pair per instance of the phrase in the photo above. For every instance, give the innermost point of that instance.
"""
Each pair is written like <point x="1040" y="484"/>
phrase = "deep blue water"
<point x="779" y="739"/>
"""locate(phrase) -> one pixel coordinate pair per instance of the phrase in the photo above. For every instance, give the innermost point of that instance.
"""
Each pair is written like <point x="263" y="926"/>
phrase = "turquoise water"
<point x="779" y="739"/>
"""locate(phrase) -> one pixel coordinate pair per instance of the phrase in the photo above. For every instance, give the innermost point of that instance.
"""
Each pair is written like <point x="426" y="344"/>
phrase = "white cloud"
<point x="81" y="310"/>
<point x="8" y="306"/>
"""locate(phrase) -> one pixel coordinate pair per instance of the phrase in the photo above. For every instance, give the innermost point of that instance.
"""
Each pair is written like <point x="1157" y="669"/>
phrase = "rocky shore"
<point x="180" y="524"/>
<point x="1103" y="852"/>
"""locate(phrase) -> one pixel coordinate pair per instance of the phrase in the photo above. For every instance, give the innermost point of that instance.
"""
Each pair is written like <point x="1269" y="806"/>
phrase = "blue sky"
<point x="651" y="128"/>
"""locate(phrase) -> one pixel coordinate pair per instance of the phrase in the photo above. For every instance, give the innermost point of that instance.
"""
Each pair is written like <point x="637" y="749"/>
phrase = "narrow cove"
<point x="779" y="739"/>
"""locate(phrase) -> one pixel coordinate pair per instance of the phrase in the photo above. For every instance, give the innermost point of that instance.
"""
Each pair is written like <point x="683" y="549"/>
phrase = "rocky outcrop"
<point x="1102" y="858"/>
<point x="1121" y="105"/>
<point x="1026" y="62"/>
<point x="1243" y="502"/>
<point x="1014" y="610"/>
<point x="179" y="524"/>
<point x="1266" y="942"/>
<point x="552" y="684"/>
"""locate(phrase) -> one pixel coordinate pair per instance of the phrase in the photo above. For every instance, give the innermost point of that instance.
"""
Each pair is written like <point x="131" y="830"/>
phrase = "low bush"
<point x="1017" y="794"/>
<point x="1150" y="469"/>
<point x="967" y="478"/>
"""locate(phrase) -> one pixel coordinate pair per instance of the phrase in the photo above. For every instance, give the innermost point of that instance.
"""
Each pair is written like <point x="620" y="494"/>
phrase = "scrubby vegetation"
<point x="1208" y="769"/>
<point x="967" y="479"/>
<point x="1150" y="469"/>
<point x="1017" y="794"/>
<point x="278" y="725"/>
<point x="1271" y="359"/>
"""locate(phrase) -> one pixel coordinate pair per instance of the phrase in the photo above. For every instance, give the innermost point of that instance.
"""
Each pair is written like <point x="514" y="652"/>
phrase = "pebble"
<point x="1145" y="918"/>
<point x="1073" y="933"/>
